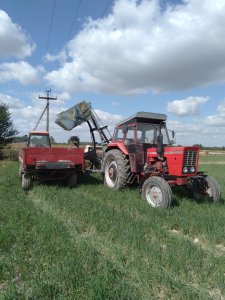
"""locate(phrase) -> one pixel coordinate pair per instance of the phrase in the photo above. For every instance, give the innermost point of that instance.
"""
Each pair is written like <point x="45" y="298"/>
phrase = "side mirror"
<point x="160" y="147"/>
<point x="173" y="134"/>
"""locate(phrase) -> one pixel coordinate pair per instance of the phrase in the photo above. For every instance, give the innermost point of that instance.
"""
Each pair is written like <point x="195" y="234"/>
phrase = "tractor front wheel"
<point x="212" y="192"/>
<point x="116" y="169"/>
<point x="157" y="192"/>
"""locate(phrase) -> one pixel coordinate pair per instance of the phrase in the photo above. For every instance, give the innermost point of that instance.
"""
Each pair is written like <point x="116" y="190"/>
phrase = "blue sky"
<point x="123" y="56"/>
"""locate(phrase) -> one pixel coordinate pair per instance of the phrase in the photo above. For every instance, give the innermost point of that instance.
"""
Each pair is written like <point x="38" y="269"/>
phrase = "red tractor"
<point x="141" y="151"/>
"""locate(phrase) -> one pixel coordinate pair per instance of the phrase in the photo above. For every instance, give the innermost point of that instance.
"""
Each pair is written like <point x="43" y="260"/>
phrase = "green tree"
<point x="20" y="139"/>
<point x="7" y="129"/>
<point x="199" y="145"/>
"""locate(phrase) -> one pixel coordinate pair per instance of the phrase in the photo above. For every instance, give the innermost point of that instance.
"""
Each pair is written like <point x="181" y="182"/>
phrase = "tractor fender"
<point x="119" y="146"/>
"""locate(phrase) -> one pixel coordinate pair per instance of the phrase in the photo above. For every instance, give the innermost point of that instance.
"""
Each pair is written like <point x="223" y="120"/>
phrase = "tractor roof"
<point x="143" y="117"/>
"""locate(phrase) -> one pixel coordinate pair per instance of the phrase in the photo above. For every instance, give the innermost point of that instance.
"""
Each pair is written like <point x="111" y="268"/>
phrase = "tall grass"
<point x="93" y="243"/>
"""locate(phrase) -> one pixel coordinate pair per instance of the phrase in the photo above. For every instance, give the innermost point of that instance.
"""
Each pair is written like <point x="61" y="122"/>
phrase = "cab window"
<point x="118" y="134"/>
<point x="39" y="141"/>
<point x="130" y="135"/>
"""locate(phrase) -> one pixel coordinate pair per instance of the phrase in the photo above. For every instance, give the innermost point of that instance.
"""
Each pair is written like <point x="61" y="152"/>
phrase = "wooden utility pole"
<point x="47" y="98"/>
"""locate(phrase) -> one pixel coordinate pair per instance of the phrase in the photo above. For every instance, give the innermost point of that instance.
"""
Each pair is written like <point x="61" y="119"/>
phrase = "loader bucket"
<point x="74" y="116"/>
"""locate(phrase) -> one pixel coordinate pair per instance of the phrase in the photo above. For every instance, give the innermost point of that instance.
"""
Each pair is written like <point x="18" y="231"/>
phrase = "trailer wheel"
<point x="213" y="191"/>
<point x="72" y="180"/>
<point x="20" y="170"/>
<point x="157" y="192"/>
<point x="26" y="181"/>
<point x="116" y="168"/>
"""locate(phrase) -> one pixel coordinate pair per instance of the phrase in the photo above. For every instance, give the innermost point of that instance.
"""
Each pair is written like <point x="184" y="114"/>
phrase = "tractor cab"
<point x="39" y="139"/>
<point x="140" y="132"/>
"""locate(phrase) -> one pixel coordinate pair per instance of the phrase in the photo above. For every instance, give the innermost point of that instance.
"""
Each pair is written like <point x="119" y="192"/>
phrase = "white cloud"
<point x="108" y="119"/>
<point x="221" y="109"/>
<point x="219" y="119"/>
<point x="60" y="57"/>
<point x="13" y="103"/>
<point x="197" y="132"/>
<point x="215" y="120"/>
<point x="186" y="107"/>
<point x="62" y="97"/>
<point x="139" y="48"/>
<point x="14" y="41"/>
<point x="20" y="71"/>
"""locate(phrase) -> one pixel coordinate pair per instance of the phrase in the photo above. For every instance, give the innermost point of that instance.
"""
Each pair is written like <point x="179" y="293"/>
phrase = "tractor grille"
<point x="190" y="158"/>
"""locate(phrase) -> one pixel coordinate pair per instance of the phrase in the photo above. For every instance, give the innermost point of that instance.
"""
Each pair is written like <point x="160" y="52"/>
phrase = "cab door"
<point x="140" y="150"/>
<point x="130" y="144"/>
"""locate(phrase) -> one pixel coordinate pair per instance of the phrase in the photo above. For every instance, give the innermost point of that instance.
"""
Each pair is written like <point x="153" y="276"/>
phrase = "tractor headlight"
<point x="192" y="169"/>
<point x="185" y="170"/>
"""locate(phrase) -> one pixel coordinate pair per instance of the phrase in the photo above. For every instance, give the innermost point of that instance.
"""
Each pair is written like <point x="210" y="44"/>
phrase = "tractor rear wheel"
<point x="157" y="192"/>
<point x="213" y="191"/>
<point x="116" y="169"/>
<point x="26" y="181"/>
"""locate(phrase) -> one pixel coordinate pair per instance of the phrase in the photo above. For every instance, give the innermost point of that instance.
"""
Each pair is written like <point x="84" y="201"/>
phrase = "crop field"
<point x="213" y="158"/>
<point x="93" y="243"/>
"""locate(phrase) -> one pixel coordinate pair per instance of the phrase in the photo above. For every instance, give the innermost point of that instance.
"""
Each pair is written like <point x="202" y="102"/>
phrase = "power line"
<point x="94" y="30"/>
<point x="74" y="19"/>
<point x="106" y="8"/>
<point x="50" y="28"/>
<point x="49" y="36"/>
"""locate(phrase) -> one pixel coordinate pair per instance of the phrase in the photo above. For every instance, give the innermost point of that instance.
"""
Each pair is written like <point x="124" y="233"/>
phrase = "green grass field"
<point x="93" y="243"/>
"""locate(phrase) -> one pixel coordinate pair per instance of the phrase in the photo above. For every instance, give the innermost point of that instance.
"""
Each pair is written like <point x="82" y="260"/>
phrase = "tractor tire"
<point x="26" y="181"/>
<point x="157" y="192"/>
<point x="116" y="168"/>
<point x="72" y="180"/>
<point x="212" y="193"/>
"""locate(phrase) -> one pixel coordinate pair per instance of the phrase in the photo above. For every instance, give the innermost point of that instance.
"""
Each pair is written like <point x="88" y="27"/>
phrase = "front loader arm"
<point x="81" y="113"/>
<point x="74" y="116"/>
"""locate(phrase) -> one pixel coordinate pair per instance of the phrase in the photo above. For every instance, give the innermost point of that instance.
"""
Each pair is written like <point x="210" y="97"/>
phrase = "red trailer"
<point x="39" y="161"/>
